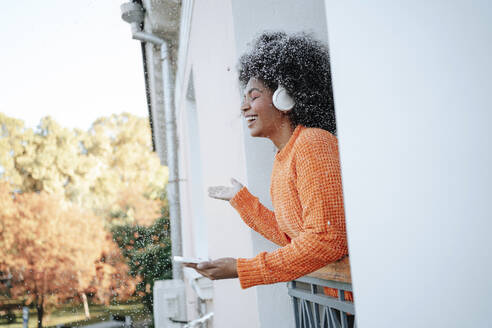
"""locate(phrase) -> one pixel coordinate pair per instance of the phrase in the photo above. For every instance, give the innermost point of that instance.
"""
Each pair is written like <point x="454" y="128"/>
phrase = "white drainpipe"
<point x="133" y="14"/>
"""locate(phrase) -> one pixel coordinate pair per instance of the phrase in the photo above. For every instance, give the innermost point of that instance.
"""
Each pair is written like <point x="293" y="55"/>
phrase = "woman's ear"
<point x="282" y="100"/>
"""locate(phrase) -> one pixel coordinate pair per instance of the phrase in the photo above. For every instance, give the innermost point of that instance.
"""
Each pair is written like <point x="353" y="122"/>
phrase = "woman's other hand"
<point x="223" y="192"/>
<point x="224" y="268"/>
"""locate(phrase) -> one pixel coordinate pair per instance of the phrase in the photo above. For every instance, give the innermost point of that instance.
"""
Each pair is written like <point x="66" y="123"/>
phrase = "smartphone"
<point x="181" y="259"/>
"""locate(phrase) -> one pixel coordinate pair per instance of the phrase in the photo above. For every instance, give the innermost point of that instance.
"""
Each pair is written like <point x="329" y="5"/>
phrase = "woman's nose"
<point x="245" y="106"/>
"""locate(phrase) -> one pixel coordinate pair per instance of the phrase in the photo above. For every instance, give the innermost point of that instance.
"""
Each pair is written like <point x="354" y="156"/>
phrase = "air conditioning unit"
<point x="169" y="296"/>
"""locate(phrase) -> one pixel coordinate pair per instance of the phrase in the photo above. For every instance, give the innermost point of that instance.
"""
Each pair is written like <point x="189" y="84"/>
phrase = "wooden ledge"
<point x="336" y="271"/>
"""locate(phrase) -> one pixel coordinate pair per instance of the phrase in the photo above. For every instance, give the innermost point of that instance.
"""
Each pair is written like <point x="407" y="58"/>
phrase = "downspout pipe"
<point x="171" y="135"/>
<point x="171" y="147"/>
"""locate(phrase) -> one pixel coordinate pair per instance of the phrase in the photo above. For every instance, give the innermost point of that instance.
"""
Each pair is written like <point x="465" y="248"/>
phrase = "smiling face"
<point x="263" y="119"/>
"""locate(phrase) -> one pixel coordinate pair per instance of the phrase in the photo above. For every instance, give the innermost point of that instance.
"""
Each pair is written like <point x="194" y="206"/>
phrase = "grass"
<point x="73" y="315"/>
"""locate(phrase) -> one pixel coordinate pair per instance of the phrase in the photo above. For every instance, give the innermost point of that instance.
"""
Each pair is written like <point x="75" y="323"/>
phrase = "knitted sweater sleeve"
<point x="258" y="217"/>
<point x="323" y="238"/>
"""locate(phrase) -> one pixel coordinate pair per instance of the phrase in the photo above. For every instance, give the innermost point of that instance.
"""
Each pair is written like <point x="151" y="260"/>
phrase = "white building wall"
<point x="211" y="58"/>
<point x="413" y="99"/>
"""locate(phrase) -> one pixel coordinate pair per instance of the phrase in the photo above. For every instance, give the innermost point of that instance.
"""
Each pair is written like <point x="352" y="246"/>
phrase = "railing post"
<point x="295" y="303"/>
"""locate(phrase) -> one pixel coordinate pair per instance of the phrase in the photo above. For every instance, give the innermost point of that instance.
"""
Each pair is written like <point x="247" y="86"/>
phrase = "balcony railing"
<point x="314" y="309"/>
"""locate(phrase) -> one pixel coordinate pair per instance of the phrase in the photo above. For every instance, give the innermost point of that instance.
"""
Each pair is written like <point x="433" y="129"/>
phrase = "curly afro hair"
<point x="301" y="65"/>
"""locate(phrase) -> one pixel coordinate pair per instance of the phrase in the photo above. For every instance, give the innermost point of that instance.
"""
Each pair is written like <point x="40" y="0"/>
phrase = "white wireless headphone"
<point x="282" y="100"/>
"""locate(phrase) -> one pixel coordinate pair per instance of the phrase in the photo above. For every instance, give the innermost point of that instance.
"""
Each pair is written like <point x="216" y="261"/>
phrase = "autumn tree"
<point x="109" y="171"/>
<point x="134" y="206"/>
<point x="113" y="280"/>
<point x="48" y="245"/>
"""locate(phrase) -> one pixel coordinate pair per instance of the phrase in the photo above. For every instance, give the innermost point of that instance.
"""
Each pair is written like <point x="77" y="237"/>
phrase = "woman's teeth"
<point x="252" y="118"/>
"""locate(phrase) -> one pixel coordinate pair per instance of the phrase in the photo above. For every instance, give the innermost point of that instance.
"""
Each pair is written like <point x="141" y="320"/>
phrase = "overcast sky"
<point x="72" y="60"/>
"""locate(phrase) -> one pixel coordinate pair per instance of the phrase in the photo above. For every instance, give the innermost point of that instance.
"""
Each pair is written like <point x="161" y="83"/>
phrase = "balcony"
<point x="314" y="309"/>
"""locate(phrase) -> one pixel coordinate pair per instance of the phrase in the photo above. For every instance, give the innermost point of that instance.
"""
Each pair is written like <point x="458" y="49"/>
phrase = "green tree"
<point x="90" y="168"/>
<point x="147" y="250"/>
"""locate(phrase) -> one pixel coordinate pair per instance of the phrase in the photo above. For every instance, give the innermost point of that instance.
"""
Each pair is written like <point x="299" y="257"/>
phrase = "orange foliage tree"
<point x="109" y="171"/>
<point x="133" y="206"/>
<point x="112" y="280"/>
<point x="49" y="246"/>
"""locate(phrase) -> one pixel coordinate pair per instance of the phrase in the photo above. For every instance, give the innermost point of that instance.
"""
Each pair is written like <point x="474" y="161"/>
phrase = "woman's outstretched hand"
<point x="223" y="192"/>
<point x="224" y="268"/>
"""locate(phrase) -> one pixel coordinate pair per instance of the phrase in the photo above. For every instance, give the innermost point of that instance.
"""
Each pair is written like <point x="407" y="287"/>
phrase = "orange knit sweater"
<point x="308" y="219"/>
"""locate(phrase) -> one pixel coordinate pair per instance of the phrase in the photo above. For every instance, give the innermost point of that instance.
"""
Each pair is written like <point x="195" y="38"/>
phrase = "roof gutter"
<point x="147" y="93"/>
<point x="147" y="87"/>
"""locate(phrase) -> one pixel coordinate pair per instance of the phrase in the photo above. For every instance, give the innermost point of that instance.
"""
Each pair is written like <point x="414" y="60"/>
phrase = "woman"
<point x="288" y="99"/>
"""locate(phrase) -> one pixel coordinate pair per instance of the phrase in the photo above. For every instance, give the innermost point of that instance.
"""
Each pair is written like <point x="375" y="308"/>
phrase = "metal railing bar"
<point x="333" y="318"/>
<point x="324" y="300"/>
<point x="304" y="319"/>
<point x="309" y="313"/>
<point x="296" y="311"/>
<point x="295" y="302"/>
<point x="341" y="295"/>
<point x="343" y="319"/>
<point x="314" y="290"/>
<point x="325" y="283"/>
<point x="316" y="314"/>
<point x="323" y="317"/>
